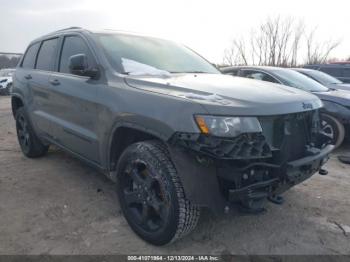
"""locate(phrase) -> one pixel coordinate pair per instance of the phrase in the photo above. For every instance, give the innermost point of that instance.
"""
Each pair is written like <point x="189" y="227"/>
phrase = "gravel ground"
<point x="58" y="205"/>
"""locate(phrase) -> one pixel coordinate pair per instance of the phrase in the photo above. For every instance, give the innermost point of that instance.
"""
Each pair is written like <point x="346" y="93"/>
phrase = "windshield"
<point x="146" y="55"/>
<point x="298" y="80"/>
<point x="5" y="73"/>
<point x="323" y="78"/>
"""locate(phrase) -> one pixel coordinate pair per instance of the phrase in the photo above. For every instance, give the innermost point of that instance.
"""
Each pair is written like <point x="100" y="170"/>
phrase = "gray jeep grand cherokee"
<point x="175" y="133"/>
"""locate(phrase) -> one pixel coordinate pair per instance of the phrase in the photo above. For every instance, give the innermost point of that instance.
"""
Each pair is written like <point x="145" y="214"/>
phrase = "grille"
<point x="288" y="135"/>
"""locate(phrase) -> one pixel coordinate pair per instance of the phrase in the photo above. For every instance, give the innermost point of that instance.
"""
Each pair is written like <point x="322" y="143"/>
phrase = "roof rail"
<point x="68" y="28"/>
<point x="64" y="29"/>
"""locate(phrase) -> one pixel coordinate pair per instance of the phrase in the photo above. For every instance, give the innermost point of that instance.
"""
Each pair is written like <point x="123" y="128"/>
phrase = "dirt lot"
<point x="58" y="205"/>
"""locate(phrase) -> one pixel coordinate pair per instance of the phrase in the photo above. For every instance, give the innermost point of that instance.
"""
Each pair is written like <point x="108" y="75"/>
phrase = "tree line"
<point x="277" y="41"/>
<point x="9" y="61"/>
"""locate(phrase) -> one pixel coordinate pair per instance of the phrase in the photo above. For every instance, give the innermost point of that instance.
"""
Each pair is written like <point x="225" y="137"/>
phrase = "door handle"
<point x="28" y="77"/>
<point x="54" y="82"/>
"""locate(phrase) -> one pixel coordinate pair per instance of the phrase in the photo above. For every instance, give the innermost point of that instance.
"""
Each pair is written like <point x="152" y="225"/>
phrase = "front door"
<point x="73" y="102"/>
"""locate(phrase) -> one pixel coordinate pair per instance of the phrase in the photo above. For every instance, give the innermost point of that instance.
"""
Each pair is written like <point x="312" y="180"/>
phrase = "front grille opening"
<point x="289" y="135"/>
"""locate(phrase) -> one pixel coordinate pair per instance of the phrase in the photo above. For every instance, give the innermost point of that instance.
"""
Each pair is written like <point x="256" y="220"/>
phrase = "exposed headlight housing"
<point x="223" y="126"/>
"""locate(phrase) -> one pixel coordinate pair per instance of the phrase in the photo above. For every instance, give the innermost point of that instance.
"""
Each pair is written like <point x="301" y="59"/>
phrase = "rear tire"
<point x="151" y="194"/>
<point x="333" y="128"/>
<point x="30" y="144"/>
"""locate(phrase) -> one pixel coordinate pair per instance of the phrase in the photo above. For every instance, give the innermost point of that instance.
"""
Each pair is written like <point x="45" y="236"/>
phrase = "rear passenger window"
<point x="29" y="57"/>
<point x="46" y="56"/>
<point x="73" y="45"/>
<point x="269" y="78"/>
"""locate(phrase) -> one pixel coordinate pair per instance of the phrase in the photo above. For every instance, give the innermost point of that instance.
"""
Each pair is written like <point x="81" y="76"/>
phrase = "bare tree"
<point x="278" y="42"/>
<point x="236" y="54"/>
<point x="298" y="33"/>
<point x="318" y="53"/>
<point x="229" y="57"/>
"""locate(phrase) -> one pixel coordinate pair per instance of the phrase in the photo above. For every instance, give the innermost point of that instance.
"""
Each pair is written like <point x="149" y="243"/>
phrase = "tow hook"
<point x="323" y="172"/>
<point x="278" y="200"/>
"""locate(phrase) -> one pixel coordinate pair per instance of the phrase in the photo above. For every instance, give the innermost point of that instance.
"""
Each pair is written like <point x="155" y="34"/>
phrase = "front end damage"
<point x="217" y="172"/>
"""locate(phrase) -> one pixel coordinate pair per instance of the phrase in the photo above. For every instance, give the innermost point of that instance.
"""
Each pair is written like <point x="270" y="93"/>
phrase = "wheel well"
<point x="122" y="138"/>
<point x="16" y="104"/>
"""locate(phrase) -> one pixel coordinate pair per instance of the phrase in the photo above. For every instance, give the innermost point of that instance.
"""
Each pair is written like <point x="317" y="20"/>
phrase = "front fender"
<point x="199" y="181"/>
<point x="146" y="125"/>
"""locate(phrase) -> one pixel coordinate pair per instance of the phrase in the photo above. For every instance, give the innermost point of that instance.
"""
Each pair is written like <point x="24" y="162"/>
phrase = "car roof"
<point x="303" y="69"/>
<point x="262" y="68"/>
<point x="338" y="65"/>
<point x="75" y="29"/>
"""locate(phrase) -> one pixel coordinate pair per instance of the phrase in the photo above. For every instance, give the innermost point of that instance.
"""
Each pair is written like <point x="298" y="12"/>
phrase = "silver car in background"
<point x="6" y="81"/>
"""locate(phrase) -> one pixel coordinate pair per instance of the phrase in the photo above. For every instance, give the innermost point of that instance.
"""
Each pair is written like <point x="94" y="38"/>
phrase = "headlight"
<point x="227" y="126"/>
<point x="3" y="80"/>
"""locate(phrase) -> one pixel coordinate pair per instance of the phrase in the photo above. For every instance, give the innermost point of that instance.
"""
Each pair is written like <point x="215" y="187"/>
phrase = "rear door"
<point x="73" y="101"/>
<point x="40" y="88"/>
<point x="23" y="76"/>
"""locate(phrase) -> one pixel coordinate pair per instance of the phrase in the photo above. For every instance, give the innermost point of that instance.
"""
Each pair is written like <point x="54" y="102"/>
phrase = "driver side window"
<point x="73" y="45"/>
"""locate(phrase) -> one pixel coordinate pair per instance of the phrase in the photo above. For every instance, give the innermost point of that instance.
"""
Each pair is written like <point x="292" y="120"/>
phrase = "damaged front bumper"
<point x="218" y="172"/>
<point x="219" y="185"/>
<point x="291" y="174"/>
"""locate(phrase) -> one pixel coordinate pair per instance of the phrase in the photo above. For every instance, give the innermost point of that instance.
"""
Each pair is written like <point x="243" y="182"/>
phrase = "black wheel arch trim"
<point x="164" y="137"/>
<point x="16" y="95"/>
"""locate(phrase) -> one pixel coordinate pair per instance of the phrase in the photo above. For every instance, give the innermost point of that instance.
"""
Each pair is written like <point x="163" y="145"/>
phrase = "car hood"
<point x="224" y="94"/>
<point x="341" y="97"/>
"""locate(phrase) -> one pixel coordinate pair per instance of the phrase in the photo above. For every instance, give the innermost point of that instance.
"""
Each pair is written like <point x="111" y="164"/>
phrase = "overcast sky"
<point x="205" y="26"/>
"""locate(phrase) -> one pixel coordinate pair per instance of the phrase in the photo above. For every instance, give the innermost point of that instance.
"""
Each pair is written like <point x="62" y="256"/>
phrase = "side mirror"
<point x="78" y="65"/>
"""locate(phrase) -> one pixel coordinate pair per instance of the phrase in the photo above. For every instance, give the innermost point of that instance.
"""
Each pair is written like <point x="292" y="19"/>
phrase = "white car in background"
<point x="6" y="81"/>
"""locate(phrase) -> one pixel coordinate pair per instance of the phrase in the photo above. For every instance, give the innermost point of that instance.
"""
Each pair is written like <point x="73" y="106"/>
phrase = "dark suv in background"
<point x="340" y="71"/>
<point x="172" y="131"/>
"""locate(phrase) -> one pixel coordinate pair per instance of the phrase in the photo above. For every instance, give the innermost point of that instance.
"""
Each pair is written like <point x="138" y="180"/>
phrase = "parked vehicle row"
<point x="324" y="79"/>
<point x="341" y="71"/>
<point x="175" y="134"/>
<point x="6" y="81"/>
<point x="336" y="110"/>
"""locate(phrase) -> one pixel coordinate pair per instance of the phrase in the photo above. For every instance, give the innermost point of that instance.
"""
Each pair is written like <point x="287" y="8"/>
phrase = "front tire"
<point x="333" y="128"/>
<point x="30" y="144"/>
<point x="151" y="194"/>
